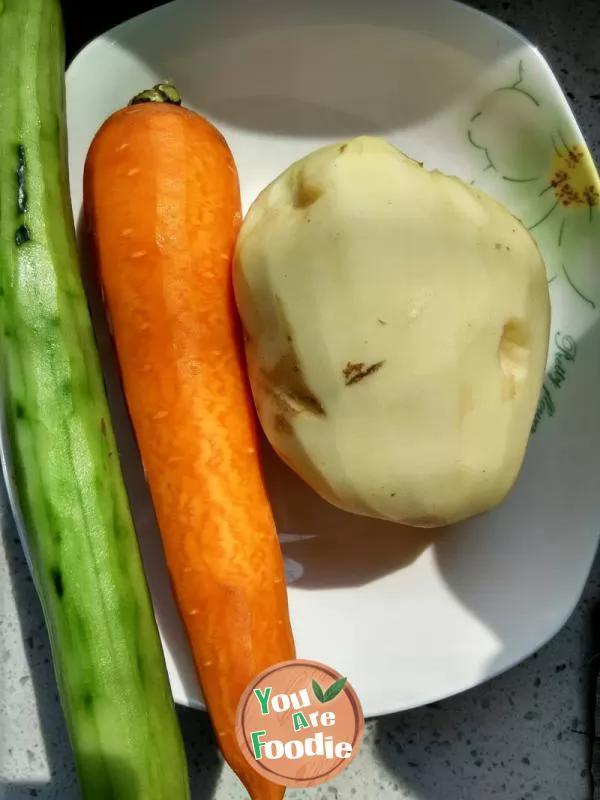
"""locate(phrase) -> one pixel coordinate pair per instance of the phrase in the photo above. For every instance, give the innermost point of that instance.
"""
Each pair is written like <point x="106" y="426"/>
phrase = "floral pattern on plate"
<point x="534" y="161"/>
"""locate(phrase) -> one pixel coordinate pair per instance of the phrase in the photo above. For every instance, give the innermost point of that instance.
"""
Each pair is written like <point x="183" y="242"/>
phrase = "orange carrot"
<point x="162" y="208"/>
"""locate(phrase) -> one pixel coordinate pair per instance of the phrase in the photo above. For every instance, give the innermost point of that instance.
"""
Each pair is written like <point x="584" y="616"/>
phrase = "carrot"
<point x="162" y="209"/>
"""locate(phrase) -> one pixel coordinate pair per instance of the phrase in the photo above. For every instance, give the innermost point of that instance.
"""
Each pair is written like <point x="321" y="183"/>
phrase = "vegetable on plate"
<point x="162" y="205"/>
<point x="396" y="324"/>
<point x="61" y="460"/>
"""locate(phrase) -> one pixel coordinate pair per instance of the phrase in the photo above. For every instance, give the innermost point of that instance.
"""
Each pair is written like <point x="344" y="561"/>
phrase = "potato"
<point x="396" y="330"/>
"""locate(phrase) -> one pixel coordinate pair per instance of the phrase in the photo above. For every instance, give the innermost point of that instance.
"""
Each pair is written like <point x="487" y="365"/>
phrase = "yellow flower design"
<point x="572" y="178"/>
<point x="545" y="178"/>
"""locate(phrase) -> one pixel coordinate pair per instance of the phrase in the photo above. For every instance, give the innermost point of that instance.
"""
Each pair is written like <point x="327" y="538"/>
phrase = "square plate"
<point x="409" y="618"/>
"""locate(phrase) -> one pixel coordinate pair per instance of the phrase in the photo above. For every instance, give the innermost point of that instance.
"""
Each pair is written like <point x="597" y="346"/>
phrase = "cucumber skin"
<point x="107" y="656"/>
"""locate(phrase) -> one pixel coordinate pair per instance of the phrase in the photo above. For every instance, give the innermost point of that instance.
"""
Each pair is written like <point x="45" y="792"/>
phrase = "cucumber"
<point x="65" y="471"/>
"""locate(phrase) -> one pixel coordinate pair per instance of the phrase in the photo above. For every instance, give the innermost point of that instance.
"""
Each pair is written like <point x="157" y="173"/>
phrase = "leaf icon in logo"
<point x="334" y="689"/>
<point x="331" y="693"/>
<point x="318" y="692"/>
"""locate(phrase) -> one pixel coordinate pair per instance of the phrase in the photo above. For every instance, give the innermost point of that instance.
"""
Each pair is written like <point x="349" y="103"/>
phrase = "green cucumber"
<point x="65" y="472"/>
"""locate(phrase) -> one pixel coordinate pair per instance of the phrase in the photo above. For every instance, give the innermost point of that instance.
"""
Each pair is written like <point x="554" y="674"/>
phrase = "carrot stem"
<point x="160" y="93"/>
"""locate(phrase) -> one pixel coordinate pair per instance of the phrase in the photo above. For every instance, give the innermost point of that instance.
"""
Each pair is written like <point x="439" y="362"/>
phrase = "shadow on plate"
<point x="554" y="510"/>
<point x="357" y="69"/>
<point x="333" y="548"/>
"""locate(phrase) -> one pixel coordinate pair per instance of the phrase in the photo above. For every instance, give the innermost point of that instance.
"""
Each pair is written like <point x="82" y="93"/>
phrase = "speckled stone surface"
<point x="522" y="736"/>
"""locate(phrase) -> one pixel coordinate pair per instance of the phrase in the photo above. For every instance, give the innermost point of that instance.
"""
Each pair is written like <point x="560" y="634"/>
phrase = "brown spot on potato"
<point x="356" y="371"/>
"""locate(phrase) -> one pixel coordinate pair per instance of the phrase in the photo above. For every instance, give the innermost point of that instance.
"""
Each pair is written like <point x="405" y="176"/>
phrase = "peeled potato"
<point x="396" y="328"/>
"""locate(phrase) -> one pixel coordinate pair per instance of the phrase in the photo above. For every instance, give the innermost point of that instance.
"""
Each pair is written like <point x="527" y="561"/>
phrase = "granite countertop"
<point x="524" y="736"/>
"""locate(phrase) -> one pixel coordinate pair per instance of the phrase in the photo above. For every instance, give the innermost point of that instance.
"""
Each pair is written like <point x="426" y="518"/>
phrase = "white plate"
<point x="409" y="619"/>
